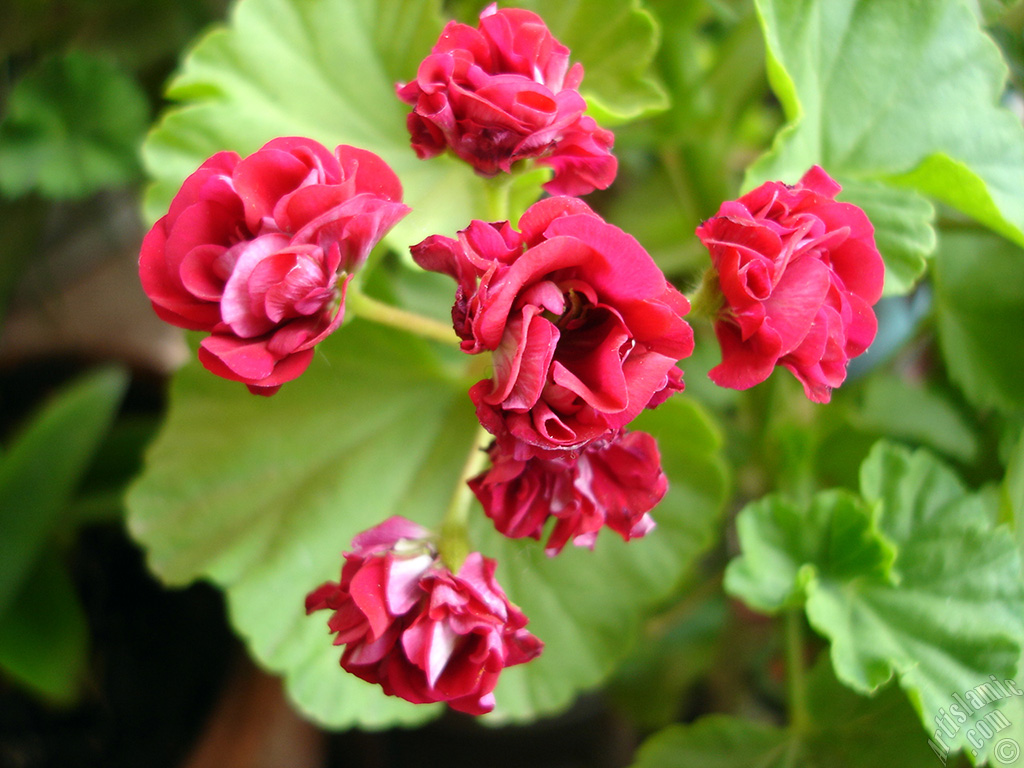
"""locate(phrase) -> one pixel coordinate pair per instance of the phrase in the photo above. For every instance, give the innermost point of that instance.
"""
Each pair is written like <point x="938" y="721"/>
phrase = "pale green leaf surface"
<point x="42" y="467"/>
<point x="262" y="496"/>
<point x="616" y="42"/>
<point x="979" y="307"/>
<point x="901" y="91"/>
<point x="325" y="70"/>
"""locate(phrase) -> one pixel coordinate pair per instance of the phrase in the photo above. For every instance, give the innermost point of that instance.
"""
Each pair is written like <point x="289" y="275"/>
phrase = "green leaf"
<point x="73" y="126"/>
<point x="616" y="42"/>
<point x="945" y="616"/>
<point x="905" y="93"/>
<point x="903" y="229"/>
<point x="323" y="70"/>
<point x="789" y="552"/>
<point x="262" y="496"/>
<point x="1012" y="492"/>
<point x="676" y="652"/>
<point x="278" y="69"/>
<point x="979" y="306"/>
<point x="41" y="470"/>
<point x="716" y="741"/>
<point x="901" y="410"/>
<point x="847" y="731"/>
<point x="43" y="636"/>
<point x="956" y="618"/>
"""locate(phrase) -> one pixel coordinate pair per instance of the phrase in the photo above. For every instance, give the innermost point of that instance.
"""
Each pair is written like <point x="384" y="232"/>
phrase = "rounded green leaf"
<point x="261" y="496"/>
<point x="845" y="731"/>
<point x="942" y="616"/>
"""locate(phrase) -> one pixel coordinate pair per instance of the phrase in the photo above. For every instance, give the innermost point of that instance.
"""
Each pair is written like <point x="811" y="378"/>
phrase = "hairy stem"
<point x="707" y="300"/>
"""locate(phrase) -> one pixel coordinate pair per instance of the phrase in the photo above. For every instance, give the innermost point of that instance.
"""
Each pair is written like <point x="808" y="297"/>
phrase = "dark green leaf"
<point x="73" y="126"/>
<point x="42" y="468"/>
<point x="979" y="305"/>
<point x="43" y="635"/>
<point x="845" y="731"/>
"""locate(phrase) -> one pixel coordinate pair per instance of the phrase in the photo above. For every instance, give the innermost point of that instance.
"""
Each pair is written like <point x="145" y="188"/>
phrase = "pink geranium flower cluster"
<point x="582" y="330"/>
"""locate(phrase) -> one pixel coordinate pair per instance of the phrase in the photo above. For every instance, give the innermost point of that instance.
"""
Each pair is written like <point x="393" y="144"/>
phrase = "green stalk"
<point x="799" y="714"/>
<point x="499" y="197"/>
<point x="707" y="300"/>
<point x="454" y="544"/>
<point x="363" y="306"/>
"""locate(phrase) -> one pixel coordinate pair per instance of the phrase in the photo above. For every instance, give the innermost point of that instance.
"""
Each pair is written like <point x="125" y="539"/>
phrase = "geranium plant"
<point x="512" y="278"/>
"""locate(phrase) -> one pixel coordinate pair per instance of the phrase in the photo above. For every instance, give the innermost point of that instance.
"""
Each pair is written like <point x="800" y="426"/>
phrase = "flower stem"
<point x="363" y="306"/>
<point x="454" y="544"/>
<point x="707" y="300"/>
<point x="799" y="714"/>
<point x="499" y="197"/>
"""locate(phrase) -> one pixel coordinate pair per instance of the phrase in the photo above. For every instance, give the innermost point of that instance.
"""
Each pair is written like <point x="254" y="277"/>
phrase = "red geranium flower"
<point x="798" y="273"/>
<point x="505" y="92"/>
<point x="613" y="483"/>
<point x="257" y="250"/>
<point x="584" y="328"/>
<point x="416" y="629"/>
